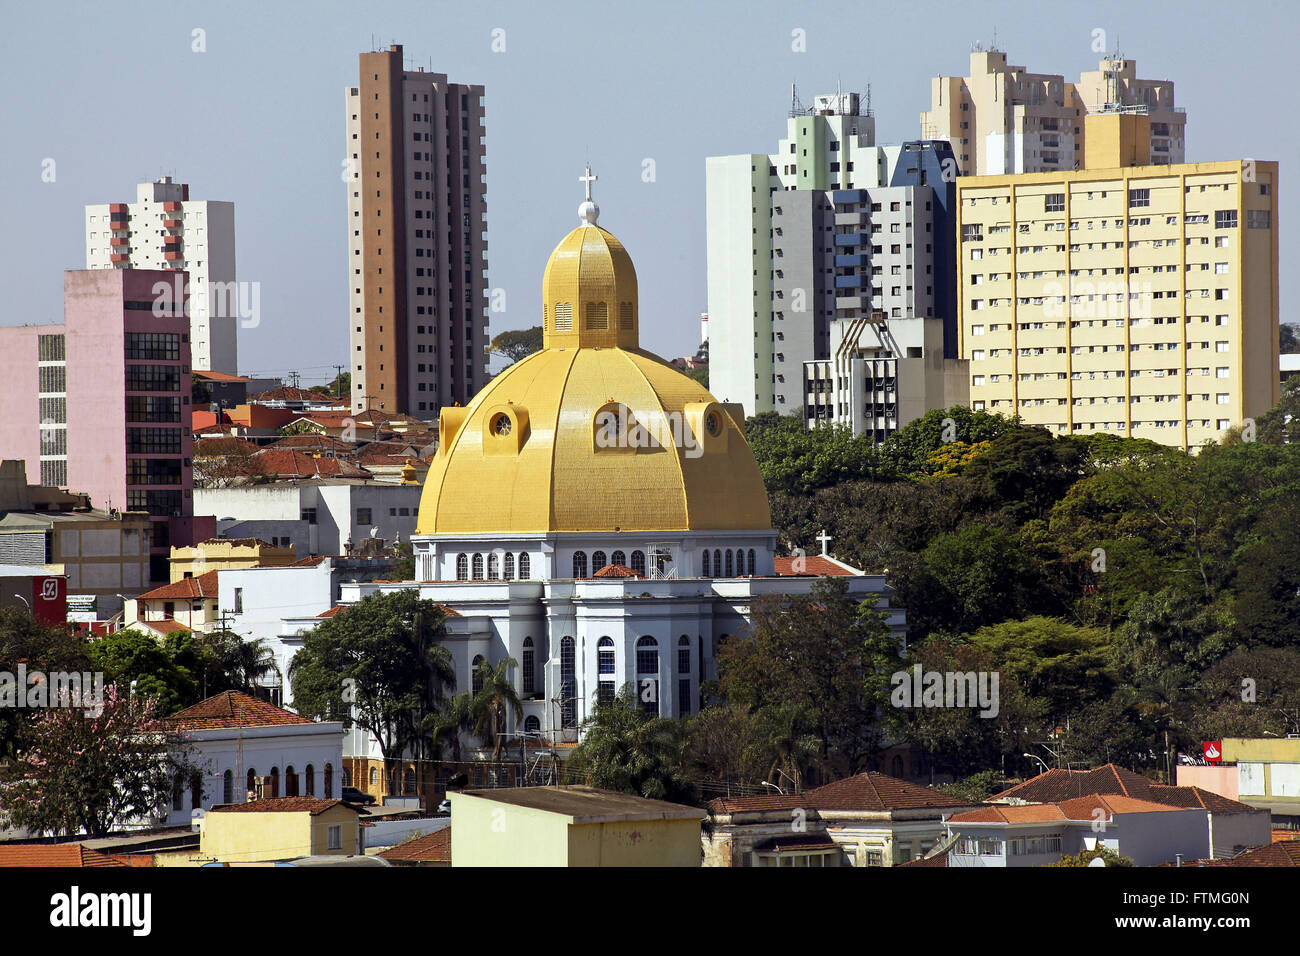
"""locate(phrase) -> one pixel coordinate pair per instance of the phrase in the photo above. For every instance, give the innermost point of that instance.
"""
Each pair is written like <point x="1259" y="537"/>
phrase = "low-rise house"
<point x="280" y="828"/>
<point x="571" y="826"/>
<point x="245" y="746"/>
<point x="1283" y="853"/>
<point x="1263" y="772"/>
<point x="870" y="819"/>
<point x="1232" y="825"/>
<point x="1040" y="833"/>
<point x="227" y="554"/>
<point x="191" y="602"/>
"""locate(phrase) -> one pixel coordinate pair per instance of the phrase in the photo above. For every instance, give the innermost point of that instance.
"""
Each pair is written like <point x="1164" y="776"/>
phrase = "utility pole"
<point x="338" y="381"/>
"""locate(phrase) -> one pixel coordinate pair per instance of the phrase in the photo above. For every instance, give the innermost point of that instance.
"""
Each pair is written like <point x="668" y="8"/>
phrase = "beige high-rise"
<point x="1126" y="297"/>
<point x="1003" y="119"/>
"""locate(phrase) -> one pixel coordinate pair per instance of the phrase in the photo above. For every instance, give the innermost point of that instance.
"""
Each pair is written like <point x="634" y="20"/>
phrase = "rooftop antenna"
<point x="994" y="47"/>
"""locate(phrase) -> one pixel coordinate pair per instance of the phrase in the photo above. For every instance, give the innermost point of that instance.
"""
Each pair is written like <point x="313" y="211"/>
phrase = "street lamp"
<point x="1039" y="759"/>
<point x="774" y="787"/>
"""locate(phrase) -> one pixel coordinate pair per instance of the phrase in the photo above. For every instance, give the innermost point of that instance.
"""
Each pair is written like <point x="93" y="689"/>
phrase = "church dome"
<point x="592" y="433"/>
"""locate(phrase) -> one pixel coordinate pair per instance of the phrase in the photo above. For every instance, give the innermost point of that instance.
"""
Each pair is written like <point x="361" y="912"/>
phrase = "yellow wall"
<point x="1055" y="319"/>
<point x="245" y="836"/>
<point x="1261" y="750"/>
<point x="487" y="833"/>
<point x="1116" y="139"/>
<point x="225" y="556"/>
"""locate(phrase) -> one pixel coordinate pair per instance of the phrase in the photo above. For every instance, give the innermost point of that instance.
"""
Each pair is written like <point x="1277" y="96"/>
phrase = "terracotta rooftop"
<point x="287" y="393"/>
<point x="615" y="571"/>
<point x="432" y="847"/>
<point x="208" y="376"/>
<point x="1076" y="808"/>
<point x="53" y="854"/>
<point x="867" y="792"/>
<point x="815" y="566"/>
<point x="217" y="447"/>
<point x="234" y="708"/>
<point x="312" y="805"/>
<point x="186" y="589"/>
<point x="1285" y="853"/>
<point x="1056" y="785"/>
<point x="939" y="859"/>
<point x="314" y="441"/>
<point x="287" y="463"/>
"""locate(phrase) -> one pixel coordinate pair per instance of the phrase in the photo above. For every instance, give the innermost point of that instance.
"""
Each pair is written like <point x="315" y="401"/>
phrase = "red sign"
<point x="50" y="598"/>
<point x="1213" y="750"/>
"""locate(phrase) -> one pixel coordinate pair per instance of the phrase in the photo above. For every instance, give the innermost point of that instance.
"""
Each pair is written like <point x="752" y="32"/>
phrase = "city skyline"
<point x="716" y="82"/>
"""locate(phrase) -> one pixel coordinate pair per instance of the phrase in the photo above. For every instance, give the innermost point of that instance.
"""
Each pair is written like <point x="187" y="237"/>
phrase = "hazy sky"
<point x="115" y="95"/>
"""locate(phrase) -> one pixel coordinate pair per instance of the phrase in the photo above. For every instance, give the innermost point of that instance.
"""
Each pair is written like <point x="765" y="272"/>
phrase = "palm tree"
<point x="447" y="724"/>
<point x="496" y="696"/>
<point x="625" y="749"/>
<point x="784" y="732"/>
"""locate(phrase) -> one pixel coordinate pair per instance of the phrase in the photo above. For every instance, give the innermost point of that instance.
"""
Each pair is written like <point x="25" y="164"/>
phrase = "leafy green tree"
<point x="132" y="658"/>
<point x="908" y="451"/>
<point x="384" y="653"/>
<point x="82" y="772"/>
<point x="821" y="653"/>
<point x="1112" y="730"/>
<point x="446" y="724"/>
<point x="787" y="734"/>
<point x="796" y="459"/>
<point x="516" y="344"/>
<point x="495" y="699"/>
<point x="976" y="788"/>
<point x="1085" y="858"/>
<point x="726" y="745"/>
<point x="1287" y="339"/>
<point x="41" y="647"/>
<point x="625" y="749"/>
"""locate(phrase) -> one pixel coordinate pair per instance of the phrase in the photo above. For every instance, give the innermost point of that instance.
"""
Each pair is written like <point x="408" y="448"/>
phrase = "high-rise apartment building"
<point x="100" y="404"/>
<point x="165" y="229"/>
<point x="829" y="227"/>
<point x="1003" y="119"/>
<point x="1124" y="297"/>
<point x="417" y="247"/>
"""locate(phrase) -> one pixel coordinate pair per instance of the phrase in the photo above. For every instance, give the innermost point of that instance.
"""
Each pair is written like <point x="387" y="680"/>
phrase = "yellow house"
<point x="571" y="826"/>
<point x="227" y="554"/>
<point x="282" y="828"/>
<point x="1268" y="773"/>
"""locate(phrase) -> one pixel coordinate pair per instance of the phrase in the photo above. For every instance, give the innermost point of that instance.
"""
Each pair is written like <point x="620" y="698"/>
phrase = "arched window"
<point x="290" y="782"/>
<point x="347" y="776"/>
<point x="252" y="783"/>
<point x="532" y="726"/>
<point x="729" y="559"/>
<point x="523" y="566"/>
<point x="275" y="781"/>
<point x="647" y="672"/>
<point x="618" y="557"/>
<point x="684" y="655"/>
<point x="638" y="563"/>
<point x="752" y="567"/>
<point x="329" y="781"/>
<point x="478" y="567"/>
<point x="228" y="787"/>
<point x="310" y="780"/>
<point x="528" y="680"/>
<point x="374" y="776"/>
<point x="740" y="562"/>
<point x="408" y="781"/>
<point x="196" y="791"/>
<point x="462" y="567"/>
<point x="717" y="563"/>
<point x="597" y="561"/>
<point x="605" y="669"/>
<point x="510" y="566"/>
<point x="705" y="569"/>
<point x="580" y="564"/>
<point x="494" y="567"/>
<point x="476" y="679"/>
<point x="568" y="705"/>
<point x="178" y="792"/>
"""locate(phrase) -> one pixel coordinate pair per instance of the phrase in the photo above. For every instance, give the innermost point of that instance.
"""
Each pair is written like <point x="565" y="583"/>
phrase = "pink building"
<point x="100" y="404"/>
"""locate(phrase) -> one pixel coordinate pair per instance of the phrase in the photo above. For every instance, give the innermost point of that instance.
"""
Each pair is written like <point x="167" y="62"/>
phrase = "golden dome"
<point x="592" y="433"/>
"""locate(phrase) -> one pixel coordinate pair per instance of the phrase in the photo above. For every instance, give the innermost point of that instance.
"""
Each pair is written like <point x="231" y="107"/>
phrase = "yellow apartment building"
<point x="226" y="554"/>
<point x="1122" y="297"/>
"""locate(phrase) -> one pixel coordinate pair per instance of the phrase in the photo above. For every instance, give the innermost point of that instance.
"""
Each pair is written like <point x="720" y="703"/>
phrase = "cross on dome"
<point x="588" y="212"/>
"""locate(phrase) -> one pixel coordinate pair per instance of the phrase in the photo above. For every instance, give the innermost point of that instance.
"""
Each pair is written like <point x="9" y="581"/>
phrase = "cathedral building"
<point x="596" y="515"/>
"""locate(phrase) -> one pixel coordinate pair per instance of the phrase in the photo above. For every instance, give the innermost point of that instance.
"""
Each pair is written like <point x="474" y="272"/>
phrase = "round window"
<point x="712" y="424"/>
<point x="501" y="424"/>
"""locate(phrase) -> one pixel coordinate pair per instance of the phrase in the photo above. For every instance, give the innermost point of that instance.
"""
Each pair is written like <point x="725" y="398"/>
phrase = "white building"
<point x="883" y="374"/>
<point x="165" y="229"/>
<point x="315" y="515"/>
<point x="239" y="742"/>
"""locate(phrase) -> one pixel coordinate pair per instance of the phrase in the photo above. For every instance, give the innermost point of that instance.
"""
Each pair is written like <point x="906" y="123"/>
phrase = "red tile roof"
<point x="867" y="792"/>
<point x="432" y="847"/>
<point x="1056" y="784"/>
<point x="1286" y="853"/>
<point x="186" y="589"/>
<point x="1076" y="808"/>
<point x="332" y="611"/>
<point x="815" y="566"/>
<point x="939" y="859"/>
<point x="615" y="571"/>
<point x="312" y="805"/>
<point x="287" y="393"/>
<point x="218" y="376"/>
<point x="287" y="463"/>
<point x="219" y="447"/>
<point x="314" y="441"/>
<point x="234" y="708"/>
<point x="53" y="854"/>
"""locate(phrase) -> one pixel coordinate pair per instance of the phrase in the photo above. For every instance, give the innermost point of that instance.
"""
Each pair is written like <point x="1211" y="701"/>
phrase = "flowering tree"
<point x="78" y="773"/>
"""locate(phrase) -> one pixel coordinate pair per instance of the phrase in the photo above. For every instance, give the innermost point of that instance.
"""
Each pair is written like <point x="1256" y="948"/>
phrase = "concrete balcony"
<point x="850" y="219"/>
